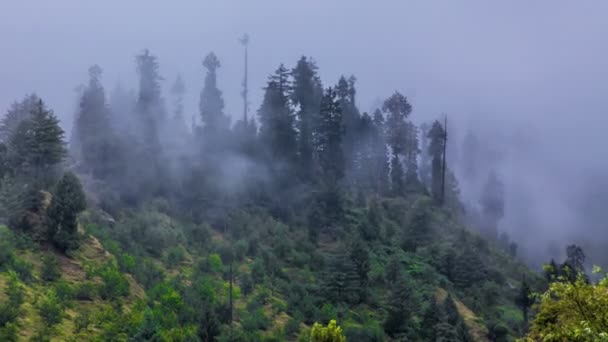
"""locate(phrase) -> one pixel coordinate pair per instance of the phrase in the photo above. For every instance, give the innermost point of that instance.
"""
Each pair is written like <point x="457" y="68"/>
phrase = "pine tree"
<point x="524" y="299"/>
<point x="436" y="136"/>
<point x="147" y="168"/>
<point x="68" y="201"/>
<point x="277" y="129"/>
<point x="37" y="147"/>
<point x="211" y="105"/>
<point x="341" y="281"/>
<point x="18" y="112"/>
<point x="150" y="106"/>
<point x="345" y="91"/>
<point x="329" y="142"/>
<point x="306" y="96"/>
<point x="419" y="232"/>
<point x="397" y="109"/>
<point x="432" y="316"/>
<point x="397" y="177"/>
<point x="412" y="150"/>
<point x="93" y="140"/>
<point x="380" y="155"/>
<point x="401" y="306"/>
<point x="455" y="320"/>
<point x="425" y="157"/>
<point x="468" y="269"/>
<point x="492" y="204"/>
<point x="360" y="257"/>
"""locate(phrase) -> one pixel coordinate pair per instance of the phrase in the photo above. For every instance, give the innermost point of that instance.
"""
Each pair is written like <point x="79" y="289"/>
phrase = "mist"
<point x="528" y="79"/>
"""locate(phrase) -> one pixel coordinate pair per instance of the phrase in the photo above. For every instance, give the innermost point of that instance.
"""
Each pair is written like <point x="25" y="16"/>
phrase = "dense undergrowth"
<point x="394" y="269"/>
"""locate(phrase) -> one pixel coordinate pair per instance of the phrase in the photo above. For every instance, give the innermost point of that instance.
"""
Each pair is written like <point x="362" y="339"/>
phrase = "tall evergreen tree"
<point x="380" y="155"/>
<point x="524" y="299"/>
<point x="211" y="105"/>
<point x="306" y="96"/>
<point x="397" y="109"/>
<point x="351" y="117"/>
<point x="147" y="156"/>
<point x="360" y="257"/>
<point x="329" y="142"/>
<point x="341" y="281"/>
<point x="277" y="128"/>
<point x="37" y="147"/>
<point x="19" y="111"/>
<point x="436" y="136"/>
<point x="93" y="139"/>
<point x="150" y="106"/>
<point x="492" y="205"/>
<point x="412" y="150"/>
<point x="401" y="308"/>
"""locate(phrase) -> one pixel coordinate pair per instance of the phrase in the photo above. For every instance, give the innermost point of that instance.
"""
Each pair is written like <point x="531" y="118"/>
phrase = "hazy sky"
<point x="530" y="75"/>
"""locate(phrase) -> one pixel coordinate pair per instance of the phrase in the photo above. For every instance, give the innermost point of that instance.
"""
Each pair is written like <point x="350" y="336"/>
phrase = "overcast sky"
<point x="529" y="75"/>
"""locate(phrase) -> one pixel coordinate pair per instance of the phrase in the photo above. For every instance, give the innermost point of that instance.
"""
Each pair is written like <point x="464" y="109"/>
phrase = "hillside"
<point x="155" y="275"/>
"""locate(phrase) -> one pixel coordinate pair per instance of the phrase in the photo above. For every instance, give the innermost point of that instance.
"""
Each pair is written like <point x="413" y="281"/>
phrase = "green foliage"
<point x="50" y="308"/>
<point x="330" y="333"/>
<point x="572" y="311"/>
<point x="68" y="201"/>
<point x="50" y="268"/>
<point x="114" y="284"/>
<point x="175" y="256"/>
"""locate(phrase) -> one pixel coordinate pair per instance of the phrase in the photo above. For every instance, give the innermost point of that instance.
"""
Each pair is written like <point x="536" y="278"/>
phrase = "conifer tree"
<point x="211" y="105"/>
<point x="277" y="129"/>
<point x="380" y="155"/>
<point x="492" y="204"/>
<point x="329" y="142"/>
<point x="306" y="95"/>
<point x="37" y="147"/>
<point x="68" y="201"/>
<point x="397" y="177"/>
<point x="360" y="257"/>
<point x="436" y="136"/>
<point x="401" y="306"/>
<point x="93" y="140"/>
<point x="341" y="281"/>
<point x="149" y="107"/>
<point x="18" y="112"/>
<point x="524" y="299"/>
<point x="397" y="109"/>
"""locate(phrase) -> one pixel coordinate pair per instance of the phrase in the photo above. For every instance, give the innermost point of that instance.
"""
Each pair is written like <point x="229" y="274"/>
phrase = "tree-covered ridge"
<point x="255" y="231"/>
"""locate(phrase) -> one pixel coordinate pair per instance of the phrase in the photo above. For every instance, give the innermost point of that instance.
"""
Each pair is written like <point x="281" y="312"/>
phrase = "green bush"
<point x="64" y="291"/>
<point x="175" y="256"/>
<point x="23" y="269"/>
<point x="50" y="268"/>
<point x="85" y="291"/>
<point x="114" y="285"/>
<point x="255" y="320"/>
<point x="50" y="308"/>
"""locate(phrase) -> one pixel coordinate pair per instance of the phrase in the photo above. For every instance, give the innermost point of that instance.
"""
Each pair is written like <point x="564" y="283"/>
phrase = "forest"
<point x="304" y="220"/>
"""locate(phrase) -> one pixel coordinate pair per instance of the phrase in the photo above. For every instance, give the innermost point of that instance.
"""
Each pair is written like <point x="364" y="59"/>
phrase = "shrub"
<point x="49" y="308"/>
<point x="50" y="268"/>
<point x="85" y="291"/>
<point x="23" y="269"/>
<point x="331" y="333"/>
<point x="256" y="320"/>
<point x="114" y="283"/>
<point x="64" y="291"/>
<point x="175" y="256"/>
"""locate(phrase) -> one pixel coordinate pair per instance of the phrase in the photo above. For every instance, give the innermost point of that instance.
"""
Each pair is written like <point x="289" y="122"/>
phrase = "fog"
<point x="527" y="78"/>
